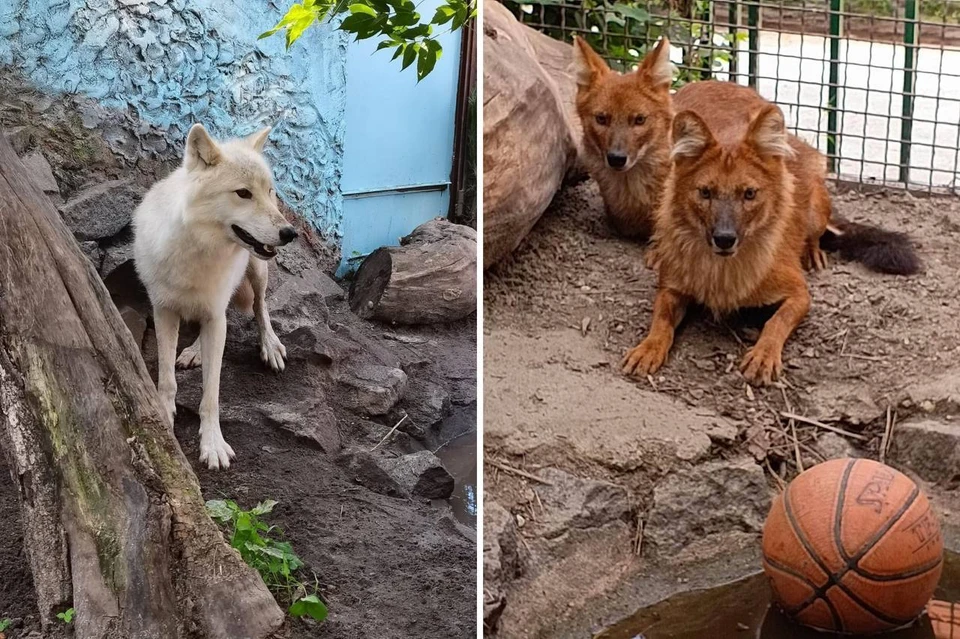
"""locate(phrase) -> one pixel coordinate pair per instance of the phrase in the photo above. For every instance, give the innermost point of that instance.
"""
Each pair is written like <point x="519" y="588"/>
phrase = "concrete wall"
<point x="170" y="63"/>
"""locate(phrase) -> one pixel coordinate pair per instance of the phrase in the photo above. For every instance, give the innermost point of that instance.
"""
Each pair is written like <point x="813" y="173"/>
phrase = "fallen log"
<point x="430" y="278"/>
<point x="114" y="521"/>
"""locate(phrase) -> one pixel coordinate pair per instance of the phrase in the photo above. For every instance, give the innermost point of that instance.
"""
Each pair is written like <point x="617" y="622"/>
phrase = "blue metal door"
<point x="398" y="145"/>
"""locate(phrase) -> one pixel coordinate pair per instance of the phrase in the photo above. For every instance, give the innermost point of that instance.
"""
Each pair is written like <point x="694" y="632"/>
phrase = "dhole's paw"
<point x="272" y="352"/>
<point x="651" y="259"/>
<point x="190" y="356"/>
<point x="646" y="358"/>
<point x="762" y="364"/>
<point x="816" y="259"/>
<point x="215" y="452"/>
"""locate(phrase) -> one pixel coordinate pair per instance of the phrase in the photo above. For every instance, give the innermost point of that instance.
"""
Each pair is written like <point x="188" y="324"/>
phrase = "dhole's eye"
<point x="603" y="119"/>
<point x="749" y="194"/>
<point x="704" y="192"/>
<point x="244" y="193"/>
<point x="639" y="119"/>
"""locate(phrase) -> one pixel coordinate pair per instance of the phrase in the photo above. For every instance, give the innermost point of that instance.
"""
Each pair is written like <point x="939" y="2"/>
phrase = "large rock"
<point x="704" y="504"/>
<point x="365" y="468"/>
<point x="310" y="419"/>
<point x="103" y="210"/>
<point x="930" y="449"/>
<point x="420" y="474"/>
<point x="40" y="171"/>
<point x="529" y="142"/>
<point x="372" y="389"/>
<point x="502" y="561"/>
<point x="572" y="502"/>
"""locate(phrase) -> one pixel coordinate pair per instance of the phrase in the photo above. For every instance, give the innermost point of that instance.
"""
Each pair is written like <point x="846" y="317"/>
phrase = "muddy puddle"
<point x="742" y="610"/>
<point x="459" y="457"/>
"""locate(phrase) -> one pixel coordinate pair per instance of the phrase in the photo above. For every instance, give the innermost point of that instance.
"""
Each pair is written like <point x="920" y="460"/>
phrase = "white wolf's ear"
<point x="589" y="66"/>
<point x="259" y="139"/>
<point x="691" y="137"/>
<point x="656" y="67"/>
<point x="201" y="149"/>
<point x="768" y="133"/>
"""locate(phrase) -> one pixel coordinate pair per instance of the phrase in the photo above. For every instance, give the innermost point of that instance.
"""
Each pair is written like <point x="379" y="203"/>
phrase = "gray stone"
<point x="424" y="404"/>
<point x="101" y="211"/>
<point x="310" y="419"/>
<point x="372" y="389"/>
<point x="115" y="256"/>
<point x="136" y="323"/>
<point x="366" y="471"/>
<point x="574" y="502"/>
<point x="421" y="474"/>
<point x="930" y="449"/>
<point x="93" y="252"/>
<point x="40" y="171"/>
<point x="712" y="499"/>
<point x="833" y="446"/>
<point x="502" y="559"/>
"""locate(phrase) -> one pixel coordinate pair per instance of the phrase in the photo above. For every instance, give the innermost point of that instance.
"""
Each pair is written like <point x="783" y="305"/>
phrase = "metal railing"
<point x="874" y="84"/>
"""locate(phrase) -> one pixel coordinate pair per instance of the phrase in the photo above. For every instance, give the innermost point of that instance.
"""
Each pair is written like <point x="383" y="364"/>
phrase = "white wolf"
<point x="194" y="233"/>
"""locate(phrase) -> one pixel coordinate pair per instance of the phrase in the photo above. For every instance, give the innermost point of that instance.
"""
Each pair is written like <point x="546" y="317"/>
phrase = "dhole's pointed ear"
<point x="201" y="149"/>
<point x="656" y="68"/>
<point x="691" y="137"/>
<point x="768" y="133"/>
<point x="588" y="66"/>
<point x="259" y="139"/>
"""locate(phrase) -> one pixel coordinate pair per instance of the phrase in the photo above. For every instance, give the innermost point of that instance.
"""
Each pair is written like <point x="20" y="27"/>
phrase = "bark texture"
<point x="114" y="520"/>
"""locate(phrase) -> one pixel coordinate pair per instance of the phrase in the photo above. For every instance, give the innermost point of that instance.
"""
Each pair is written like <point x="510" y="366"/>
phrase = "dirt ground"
<point x="562" y="311"/>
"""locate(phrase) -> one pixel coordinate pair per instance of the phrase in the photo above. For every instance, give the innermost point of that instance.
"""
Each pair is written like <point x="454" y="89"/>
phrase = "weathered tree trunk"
<point x="431" y="277"/>
<point x="114" y="522"/>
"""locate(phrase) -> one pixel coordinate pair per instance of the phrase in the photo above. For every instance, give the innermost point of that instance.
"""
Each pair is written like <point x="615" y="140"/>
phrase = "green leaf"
<point x="629" y="11"/>
<point x="362" y="8"/>
<point x="405" y="18"/>
<point x="427" y="59"/>
<point x="444" y="14"/>
<point x="218" y="509"/>
<point x="264" y="507"/>
<point x="388" y="44"/>
<point x="399" y="52"/>
<point x="409" y="55"/>
<point x="309" y="605"/>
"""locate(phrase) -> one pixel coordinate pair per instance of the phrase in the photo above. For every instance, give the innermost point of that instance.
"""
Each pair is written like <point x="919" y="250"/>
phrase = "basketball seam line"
<point x="833" y="579"/>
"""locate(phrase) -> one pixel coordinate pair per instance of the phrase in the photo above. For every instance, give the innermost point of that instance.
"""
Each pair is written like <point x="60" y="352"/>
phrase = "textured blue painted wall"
<point x="176" y="62"/>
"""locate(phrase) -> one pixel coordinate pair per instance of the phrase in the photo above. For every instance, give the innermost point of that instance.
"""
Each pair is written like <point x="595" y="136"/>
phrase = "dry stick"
<point x="833" y="429"/>
<point x="392" y="430"/>
<point x="796" y="445"/>
<point x="869" y="358"/>
<point x="638" y="541"/>
<point x="517" y="471"/>
<point x="775" y="475"/>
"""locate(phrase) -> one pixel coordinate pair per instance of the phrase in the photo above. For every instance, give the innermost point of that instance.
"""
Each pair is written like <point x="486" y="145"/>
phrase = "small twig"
<point x="780" y="481"/>
<point x="870" y="358"/>
<point x="796" y="445"/>
<point x="887" y="438"/>
<point x="638" y="540"/>
<point x="833" y="429"/>
<point x="392" y="430"/>
<point x="517" y="471"/>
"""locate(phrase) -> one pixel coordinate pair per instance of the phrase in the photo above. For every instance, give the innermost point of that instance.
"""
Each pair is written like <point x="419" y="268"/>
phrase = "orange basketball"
<point x="852" y="546"/>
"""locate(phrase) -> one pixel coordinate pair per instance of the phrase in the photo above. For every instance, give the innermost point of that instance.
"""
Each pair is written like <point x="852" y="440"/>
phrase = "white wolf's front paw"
<point x="214" y="450"/>
<point x="272" y="352"/>
<point x="190" y="356"/>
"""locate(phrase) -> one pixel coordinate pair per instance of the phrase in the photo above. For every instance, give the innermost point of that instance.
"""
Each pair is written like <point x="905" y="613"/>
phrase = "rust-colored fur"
<point x="737" y="176"/>
<point x="629" y="115"/>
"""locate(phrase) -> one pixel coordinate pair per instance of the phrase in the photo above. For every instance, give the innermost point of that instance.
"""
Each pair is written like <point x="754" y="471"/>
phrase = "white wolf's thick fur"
<point x="191" y="258"/>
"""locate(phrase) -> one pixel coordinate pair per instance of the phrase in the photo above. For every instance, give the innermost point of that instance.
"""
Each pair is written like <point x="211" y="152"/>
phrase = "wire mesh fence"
<point x="874" y="84"/>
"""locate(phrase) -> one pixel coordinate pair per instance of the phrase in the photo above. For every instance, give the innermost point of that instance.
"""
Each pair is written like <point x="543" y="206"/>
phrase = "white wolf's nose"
<point x="287" y="235"/>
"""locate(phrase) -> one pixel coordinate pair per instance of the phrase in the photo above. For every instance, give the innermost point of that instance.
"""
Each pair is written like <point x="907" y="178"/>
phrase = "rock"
<point x="40" y="171"/>
<point x="715" y="498"/>
<point x="421" y="474"/>
<point x="101" y="211"/>
<point x="372" y="389"/>
<point x="833" y="446"/>
<point x="502" y="561"/>
<point x="93" y="252"/>
<point x="930" y="449"/>
<point x="574" y="502"/>
<point x="116" y="255"/>
<point x="311" y="419"/>
<point x="450" y="524"/>
<point x="136" y="323"/>
<point x="424" y="404"/>
<point x="528" y="136"/>
<point x="367" y="472"/>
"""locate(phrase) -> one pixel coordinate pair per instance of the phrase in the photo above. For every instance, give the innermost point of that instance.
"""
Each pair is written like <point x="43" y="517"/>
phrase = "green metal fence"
<point x="875" y="84"/>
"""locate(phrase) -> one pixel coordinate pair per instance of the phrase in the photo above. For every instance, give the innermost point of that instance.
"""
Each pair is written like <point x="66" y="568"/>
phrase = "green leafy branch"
<point x="273" y="559"/>
<point x="396" y="22"/>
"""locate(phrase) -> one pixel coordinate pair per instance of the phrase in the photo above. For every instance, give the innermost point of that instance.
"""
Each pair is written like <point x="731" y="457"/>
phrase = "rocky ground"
<point x="603" y="493"/>
<point x="385" y="522"/>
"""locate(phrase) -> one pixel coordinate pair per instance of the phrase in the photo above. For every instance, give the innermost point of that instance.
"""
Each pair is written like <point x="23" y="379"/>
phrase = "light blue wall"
<point x="399" y="135"/>
<point x="176" y="62"/>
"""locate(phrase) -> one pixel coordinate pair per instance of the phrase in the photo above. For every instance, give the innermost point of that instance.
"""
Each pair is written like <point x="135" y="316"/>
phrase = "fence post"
<point x="753" y="43"/>
<point x="909" y="85"/>
<point x="833" y="130"/>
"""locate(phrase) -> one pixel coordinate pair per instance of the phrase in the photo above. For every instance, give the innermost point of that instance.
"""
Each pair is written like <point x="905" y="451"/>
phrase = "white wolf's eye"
<point x="244" y="193"/>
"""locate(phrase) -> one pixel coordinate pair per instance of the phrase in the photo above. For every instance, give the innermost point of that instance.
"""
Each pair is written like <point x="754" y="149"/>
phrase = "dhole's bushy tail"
<point x="877" y="249"/>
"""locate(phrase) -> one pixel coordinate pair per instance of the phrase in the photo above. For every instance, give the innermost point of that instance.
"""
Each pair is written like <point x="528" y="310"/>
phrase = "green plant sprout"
<point x="396" y="22"/>
<point x="5" y="623"/>
<point x="67" y="615"/>
<point x="273" y="558"/>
